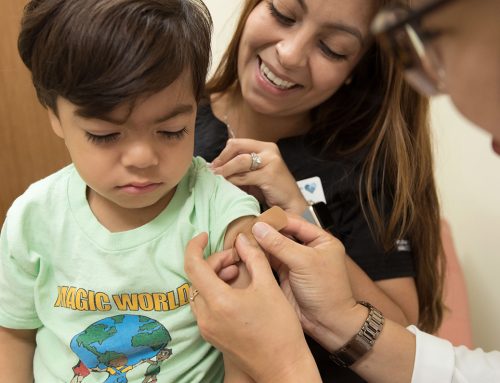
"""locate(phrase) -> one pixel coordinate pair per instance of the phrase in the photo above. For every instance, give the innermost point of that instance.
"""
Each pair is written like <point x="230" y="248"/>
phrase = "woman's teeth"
<point x="275" y="80"/>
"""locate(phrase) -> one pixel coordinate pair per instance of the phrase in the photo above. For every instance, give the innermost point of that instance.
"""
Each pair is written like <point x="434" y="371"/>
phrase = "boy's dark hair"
<point x="100" y="53"/>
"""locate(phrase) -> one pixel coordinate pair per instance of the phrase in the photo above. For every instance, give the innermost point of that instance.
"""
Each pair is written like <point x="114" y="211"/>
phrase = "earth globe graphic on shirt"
<point x="117" y="344"/>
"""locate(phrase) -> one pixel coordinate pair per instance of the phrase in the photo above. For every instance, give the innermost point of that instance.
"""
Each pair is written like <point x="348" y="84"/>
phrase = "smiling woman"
<point x="302" y="87"/>
<point x="316" y="282"/>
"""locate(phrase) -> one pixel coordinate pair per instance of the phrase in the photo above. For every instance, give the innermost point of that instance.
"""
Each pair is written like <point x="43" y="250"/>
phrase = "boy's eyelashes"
<point x="109" y="138"/>
<point x="102" y="139"/>
<point x="178" y="135"/>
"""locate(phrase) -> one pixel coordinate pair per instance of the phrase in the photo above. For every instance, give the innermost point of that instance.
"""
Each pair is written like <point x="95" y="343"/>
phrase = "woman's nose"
<point x="293" y="51"/>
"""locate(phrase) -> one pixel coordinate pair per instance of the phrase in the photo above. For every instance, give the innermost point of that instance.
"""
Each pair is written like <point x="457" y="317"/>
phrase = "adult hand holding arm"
<point x="273" y="184"/>
<point x="254" y="326"/>
<point x="314" y="278"/>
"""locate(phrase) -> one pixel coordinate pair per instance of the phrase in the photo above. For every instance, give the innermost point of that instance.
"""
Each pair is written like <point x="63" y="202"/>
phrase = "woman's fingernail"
<point x="260" y="229"/>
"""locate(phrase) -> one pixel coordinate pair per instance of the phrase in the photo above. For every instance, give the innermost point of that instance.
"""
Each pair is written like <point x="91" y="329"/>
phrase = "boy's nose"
<point x="140" y="155"/>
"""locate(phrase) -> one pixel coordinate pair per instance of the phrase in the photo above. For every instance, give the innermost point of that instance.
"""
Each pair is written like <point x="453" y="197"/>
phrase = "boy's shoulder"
<point x="209" y="188"/>
<point x="46" y="192"/>
<point x="201" y="178"/>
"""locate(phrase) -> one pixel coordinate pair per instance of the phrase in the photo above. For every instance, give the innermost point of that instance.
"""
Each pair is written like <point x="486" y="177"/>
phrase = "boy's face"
<point x="132" y="160"/>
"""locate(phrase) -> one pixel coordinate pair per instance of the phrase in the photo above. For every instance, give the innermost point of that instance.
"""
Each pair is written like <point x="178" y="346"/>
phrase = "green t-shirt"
<point x="106" y="303"/>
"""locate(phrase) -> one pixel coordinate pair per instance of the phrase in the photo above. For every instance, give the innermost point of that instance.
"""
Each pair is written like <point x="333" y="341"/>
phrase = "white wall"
<point x="468" y="177"/>
<point x="224" y="14"/>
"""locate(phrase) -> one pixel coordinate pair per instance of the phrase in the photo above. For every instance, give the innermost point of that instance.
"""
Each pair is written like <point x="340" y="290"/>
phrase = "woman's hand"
<point x="255" y="327"/>
<point x="271" y="182"/>
<point x="314" y="278"/>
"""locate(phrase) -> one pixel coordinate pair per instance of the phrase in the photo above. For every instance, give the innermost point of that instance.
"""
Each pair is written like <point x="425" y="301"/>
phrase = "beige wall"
<point x="224" y="14"/>
<point x="30" y="150"/>
<point x="468" y="176"/>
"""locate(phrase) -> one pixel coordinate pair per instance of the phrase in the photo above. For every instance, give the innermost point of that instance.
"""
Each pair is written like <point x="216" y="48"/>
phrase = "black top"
<point x="340" y="185"/>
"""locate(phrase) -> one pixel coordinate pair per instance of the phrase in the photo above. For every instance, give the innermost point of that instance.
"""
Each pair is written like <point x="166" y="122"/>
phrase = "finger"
<point x="237" y="146"/>
<point x="256" y="178"/>
<point x="223" y="259"/>
<point x="229" y="273"/>
<point x="239" y="164"/>
<point x="198" y="305"/>
<point x="284" y="249"/>
<point x="255" y="261"/>
<point x="306" y="232"/>
<point x="199" y="270"/>
<point x="225" y="264"/>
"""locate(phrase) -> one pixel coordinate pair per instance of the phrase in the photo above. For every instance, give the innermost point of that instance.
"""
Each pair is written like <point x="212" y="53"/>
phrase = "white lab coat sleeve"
<point x="438" y="361"/>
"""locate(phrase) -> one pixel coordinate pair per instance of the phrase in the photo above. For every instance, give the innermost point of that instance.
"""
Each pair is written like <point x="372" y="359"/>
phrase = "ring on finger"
<point x="193" y="295"/>
<point x="256" y="161"/>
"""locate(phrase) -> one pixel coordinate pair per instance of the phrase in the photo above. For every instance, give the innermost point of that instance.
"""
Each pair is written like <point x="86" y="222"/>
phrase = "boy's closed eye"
<point x="112" y="137"/>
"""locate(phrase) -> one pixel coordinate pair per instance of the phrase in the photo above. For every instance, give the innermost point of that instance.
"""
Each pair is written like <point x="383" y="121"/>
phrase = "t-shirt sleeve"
<point x="228" y="204"/>
<point x="18" y="278"/>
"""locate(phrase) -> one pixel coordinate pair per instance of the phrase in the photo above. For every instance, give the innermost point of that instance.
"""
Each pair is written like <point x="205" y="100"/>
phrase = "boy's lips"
<point x="139" y="188"/>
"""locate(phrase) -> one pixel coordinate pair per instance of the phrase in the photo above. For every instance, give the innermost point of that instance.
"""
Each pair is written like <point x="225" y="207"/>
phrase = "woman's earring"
<point x="348" y="81"/>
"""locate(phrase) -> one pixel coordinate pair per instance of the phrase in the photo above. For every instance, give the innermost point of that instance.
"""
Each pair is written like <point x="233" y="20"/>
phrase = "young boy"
<point x="91" y="258"/>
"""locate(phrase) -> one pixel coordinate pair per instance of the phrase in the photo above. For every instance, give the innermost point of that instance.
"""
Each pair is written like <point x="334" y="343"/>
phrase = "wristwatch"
<point x="363" y="341"/>
<point x="318" y="214"/>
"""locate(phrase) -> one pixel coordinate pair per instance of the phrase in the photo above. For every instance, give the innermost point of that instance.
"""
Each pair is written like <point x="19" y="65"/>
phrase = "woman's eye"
<point x="178" y="135"/>
<point x="330" y="53"/>
<point x="280" y="16"/>
<point x="105" y="139"/>
<point x="428" y="35"/>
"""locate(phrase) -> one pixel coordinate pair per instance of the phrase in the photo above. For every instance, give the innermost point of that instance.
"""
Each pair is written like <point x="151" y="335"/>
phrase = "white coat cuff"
<point x="434" y="358"/>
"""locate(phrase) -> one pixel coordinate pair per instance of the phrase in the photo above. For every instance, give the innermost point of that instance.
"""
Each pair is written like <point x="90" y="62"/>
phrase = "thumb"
<point x="255" y="260"/>
<point x="280" y="247"/>
<point x="199" y="271"/>
<point x="198" y="243"/>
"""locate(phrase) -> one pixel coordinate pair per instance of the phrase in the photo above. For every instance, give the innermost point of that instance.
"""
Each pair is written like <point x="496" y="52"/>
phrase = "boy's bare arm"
<point x="17" y="348"/>
<point x="234" y="228"/>
<point x="232" y="373"/>
<point x="276" y="218"/>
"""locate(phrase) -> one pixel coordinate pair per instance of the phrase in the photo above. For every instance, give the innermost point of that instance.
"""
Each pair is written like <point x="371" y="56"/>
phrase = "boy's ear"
<point x="55" y="123"/>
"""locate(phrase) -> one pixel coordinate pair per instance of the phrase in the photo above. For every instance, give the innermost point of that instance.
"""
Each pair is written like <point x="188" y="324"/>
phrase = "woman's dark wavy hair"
<point x="100" y="53"/>
<point x="379" y="115"/>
